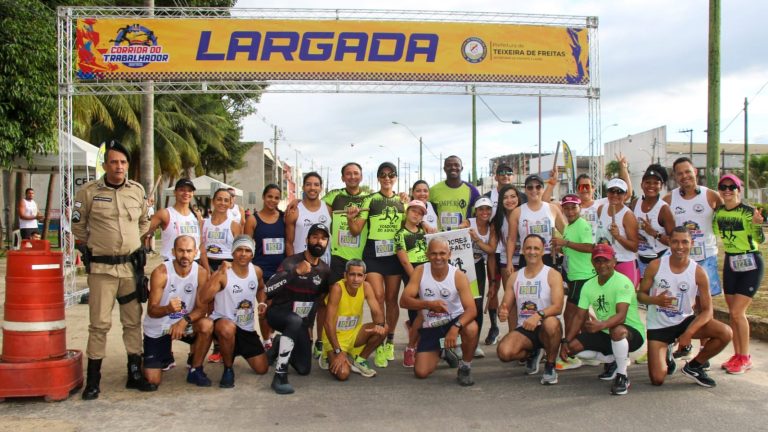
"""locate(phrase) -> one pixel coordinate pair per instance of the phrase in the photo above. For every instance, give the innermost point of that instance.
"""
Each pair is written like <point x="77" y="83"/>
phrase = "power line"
<point x="742" y="109"/>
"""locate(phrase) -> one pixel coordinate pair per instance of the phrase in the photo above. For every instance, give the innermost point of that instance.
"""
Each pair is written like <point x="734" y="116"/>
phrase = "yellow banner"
<point x="329" y="50"/>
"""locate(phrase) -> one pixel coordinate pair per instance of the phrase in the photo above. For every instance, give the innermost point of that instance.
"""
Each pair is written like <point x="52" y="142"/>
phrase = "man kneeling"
<point x="443" y="295"/>
<point x="676" y="282"/>
<point x="346" y="340"/>
<point x="536" y="291"/>
<point x="173" y="291"/>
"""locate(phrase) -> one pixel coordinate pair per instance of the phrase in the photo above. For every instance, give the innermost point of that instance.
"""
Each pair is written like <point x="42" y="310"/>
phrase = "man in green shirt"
<point x="617" y="329"/>
<point x="453" y="198"/>
<point x="576" y="243"/>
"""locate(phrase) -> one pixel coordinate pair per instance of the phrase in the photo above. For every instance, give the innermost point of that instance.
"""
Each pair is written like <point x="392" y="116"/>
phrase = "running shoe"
<point x="550" y="375"/>
<point x="671" y="365"/>
<point x="360" y="366"/>
<point x="609" y="372"/>
<point x="493" y="336"/>
<point x="317" y="349"/>
<point x="643" y="359"/>
<point x="698" y="375"/>
<point x="380" y="357"/>
<point x="740" y="366"/>
<point x="479" y="353"/>
<point x="572" y="363"/>
<point x="684" y="352"/>
<point x="730" y="361"/>
<point x="323" y="362"/>
<point x="215" y="358"/>
<point x="198" y="377"/>
<point x="620" y="385"/>
<point x="169" y="366"/>
<point x="592" y="362"/>
<point x="390" y="347"/>
<point x="227" y="378"/>
<point x="450" y="357"/>
<point x="532" y="364"/>
<point x="409" y="357"/>
<point x="464" y="376"/>
<point x="281" y="385"/>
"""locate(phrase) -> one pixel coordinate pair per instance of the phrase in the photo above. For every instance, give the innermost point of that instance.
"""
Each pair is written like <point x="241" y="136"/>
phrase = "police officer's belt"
<point x="111" y="259"/>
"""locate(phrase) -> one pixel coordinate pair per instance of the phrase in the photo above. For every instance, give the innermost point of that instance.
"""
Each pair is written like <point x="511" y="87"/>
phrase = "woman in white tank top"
<point x="617" y="226"/>
<point x="219" y="231"/>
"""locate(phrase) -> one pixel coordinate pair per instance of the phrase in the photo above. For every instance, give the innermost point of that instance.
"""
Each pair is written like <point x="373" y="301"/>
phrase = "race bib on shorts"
<point x="743" y="263"/>
<point x="273" y="246"/>
<point x="384" y="248"/>
<point x="302" y="309"/>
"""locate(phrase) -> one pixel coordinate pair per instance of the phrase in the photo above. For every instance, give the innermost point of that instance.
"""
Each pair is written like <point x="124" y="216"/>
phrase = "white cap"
<point x="616" y="183"/>
<point x="484" y="201"/>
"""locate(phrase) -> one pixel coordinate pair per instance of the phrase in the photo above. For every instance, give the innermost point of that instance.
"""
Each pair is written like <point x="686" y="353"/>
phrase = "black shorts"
<point x="601" y="341"/>
<point x="385" y="266"/>
<point x="429" y="337"/>
<point x="338" y="266"/>
<point x="532" y="335"/>
<point x="247" y="343"/>
<point x="157" y="351"/>
<point x="26" y="233"/>
<point x="670" y="334"/>
<point x="745" y="283"/>
<point x="574" y="291"/>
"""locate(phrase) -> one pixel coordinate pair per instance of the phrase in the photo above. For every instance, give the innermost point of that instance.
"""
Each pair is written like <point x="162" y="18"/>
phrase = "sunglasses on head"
<point x="615" y="191"/>
<point x="531" y="187"/>
<point x="504" y="173"/>
<point x="730" y="187"/>
<point x="388" y="175"/>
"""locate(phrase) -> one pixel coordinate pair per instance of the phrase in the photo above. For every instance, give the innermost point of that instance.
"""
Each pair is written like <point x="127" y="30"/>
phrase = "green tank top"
<point x="343" y="243"/>
<point x="384" y="216"/>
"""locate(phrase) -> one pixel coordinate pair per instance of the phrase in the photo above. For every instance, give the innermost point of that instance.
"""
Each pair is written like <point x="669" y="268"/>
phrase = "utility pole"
<point x="147" y="161"/>
<point x="474" y="136"/>
<point x="713" y="100"/>
<point x="274" y="150"/>
<point x="746" y="154"/>
<point x="690" y="132"/>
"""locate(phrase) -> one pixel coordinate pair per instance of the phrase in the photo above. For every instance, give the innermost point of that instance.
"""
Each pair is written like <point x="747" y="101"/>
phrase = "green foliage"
<point x="27" y="79"/>
<point x="612" y="169"/>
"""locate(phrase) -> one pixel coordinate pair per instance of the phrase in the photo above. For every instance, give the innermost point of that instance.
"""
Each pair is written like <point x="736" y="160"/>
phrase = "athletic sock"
<point x="621" y="354"/>
<point x="390" y="337"/>
<point x="285" y="350"/>
<point x="462" y="363"/>
<point x="492" y="318"/>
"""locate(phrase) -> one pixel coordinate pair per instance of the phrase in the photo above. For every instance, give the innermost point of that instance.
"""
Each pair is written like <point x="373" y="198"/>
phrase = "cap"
<point x="533" y="178"/>
<point x="602" y="250"/>
<point x="570" y="199"/>
<point x="116" y="146"/>
<point x="733" y="178"/>
<point x="319" y="227"/>
<point x="389" y="165"/>
<point x="243" y="240"/>
<point x="418" y="204"/>
<point x="656" y="170"/>
<point x="503" y="168"/>
<point x="616" y="183"/>
<point x="483" y="202"/>
<point x="184" y="182"/>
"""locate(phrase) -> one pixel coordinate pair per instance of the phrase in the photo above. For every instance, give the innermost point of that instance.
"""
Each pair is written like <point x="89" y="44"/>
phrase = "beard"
<point x="316" y="250"/>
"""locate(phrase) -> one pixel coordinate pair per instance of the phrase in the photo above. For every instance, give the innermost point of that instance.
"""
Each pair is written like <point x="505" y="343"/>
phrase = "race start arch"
<point x="118" y="50"/>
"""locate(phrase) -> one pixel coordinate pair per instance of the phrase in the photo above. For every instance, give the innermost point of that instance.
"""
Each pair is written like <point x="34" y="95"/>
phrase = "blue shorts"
<point x="429" y="337"/>
<point x="709" y="265"/>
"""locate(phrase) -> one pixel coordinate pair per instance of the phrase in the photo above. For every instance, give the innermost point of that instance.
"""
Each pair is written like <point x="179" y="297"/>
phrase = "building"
<point x="258" y="171"/>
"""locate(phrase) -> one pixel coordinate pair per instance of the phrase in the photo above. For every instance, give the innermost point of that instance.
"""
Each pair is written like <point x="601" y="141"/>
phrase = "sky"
<point x="652" y="68"/>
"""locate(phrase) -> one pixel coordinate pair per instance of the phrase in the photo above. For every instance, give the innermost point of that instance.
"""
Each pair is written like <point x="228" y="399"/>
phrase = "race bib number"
<point x="346" y="322"/>
<point x="346" y="239"/>
<point x="273" y="246"/>
<point x="450" y="219"/>
<point x="674" y="307"/>
<point x="384" y="248"/>
<point x="435" y="319"/>
<point x="743" y="263"/>
<point x="302" y="309"/>
<point x="697" y="248"/>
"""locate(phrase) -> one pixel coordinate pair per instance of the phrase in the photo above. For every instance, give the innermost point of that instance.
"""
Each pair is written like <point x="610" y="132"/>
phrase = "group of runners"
<point x="317" y="264"/>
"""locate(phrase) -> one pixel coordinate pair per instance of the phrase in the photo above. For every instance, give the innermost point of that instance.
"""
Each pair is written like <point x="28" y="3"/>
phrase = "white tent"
<point x="206" y="186"/>
<point x="83" y="156"/>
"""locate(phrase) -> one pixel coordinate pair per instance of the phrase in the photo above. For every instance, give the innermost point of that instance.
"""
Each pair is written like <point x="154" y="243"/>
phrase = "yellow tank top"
<point x="349" y="319"/>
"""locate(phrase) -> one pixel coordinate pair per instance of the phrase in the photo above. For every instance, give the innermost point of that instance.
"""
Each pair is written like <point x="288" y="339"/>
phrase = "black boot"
<point x="135" y="378"/>
<point x="93" y="378"/>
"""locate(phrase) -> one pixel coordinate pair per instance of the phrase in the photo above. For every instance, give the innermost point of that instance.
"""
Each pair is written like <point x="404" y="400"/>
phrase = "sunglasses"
<point x="730" y="187"/>
<point x="532" y="187"/>
<point x="615" y="191"/>
<point x="504" y="173"/>
<point x="584" y="187"/>
<point x="388" y="175"/>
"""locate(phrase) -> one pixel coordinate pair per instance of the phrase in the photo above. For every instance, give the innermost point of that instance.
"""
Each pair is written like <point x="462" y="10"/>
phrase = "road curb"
<point x="758" y="326"/>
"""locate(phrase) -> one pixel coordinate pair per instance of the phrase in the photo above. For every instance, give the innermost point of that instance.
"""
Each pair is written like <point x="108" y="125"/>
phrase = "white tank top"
<point x="682" y="287"/>
<point x="234" y="214"/>
<point x="30" y="210"/>
<point x="236" y="301"/>
<point x="501" y="245"/>
<point x="531" y="294"/>
<point x="696" y="215"/>
<point x="431" y="217"/>
<point x="218" y="239"/>
<point x="648" y="246"/>
<point x="590" y="215"/>
<point x="176" y="286"/>
<point x="540" y="222"/>
<point x="603" y="233"/>
<point x="179" y="224"/>
<point x="306" y="219"/>
<point x="445" y="290"/>
<point x="494" y="201"/>
<point x="476" y="251"/>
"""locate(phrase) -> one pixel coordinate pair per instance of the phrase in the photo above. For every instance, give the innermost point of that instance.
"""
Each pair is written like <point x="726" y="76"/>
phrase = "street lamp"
<point x="421" y="143"/>
<point x="398" y="166"/>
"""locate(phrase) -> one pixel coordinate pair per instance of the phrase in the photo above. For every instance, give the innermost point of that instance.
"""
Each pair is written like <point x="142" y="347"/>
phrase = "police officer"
<point x="108" y="218"/>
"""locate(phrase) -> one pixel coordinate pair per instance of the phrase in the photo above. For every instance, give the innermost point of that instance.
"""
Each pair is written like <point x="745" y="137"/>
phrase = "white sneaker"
<point x="479" y="353"/>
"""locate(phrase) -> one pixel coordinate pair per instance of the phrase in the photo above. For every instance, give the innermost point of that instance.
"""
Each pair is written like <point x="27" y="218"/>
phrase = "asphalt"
<point x="503" y="398"/>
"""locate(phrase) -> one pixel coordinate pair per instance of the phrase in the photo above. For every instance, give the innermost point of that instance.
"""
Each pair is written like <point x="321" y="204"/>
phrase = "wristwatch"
<point x="337" y="351"/>
<point x="541" y="314"/>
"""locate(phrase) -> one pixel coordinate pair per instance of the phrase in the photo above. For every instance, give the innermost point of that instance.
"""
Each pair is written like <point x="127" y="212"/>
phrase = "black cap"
<point x="116" y="146"/>
<point x="389" y="165"/>
<point x="185" y="182"/>
<point x="533" y="178"/>
<point x="656" y="170"/>
<point x="503" y="168"/>
<point x="319" y="227"/>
